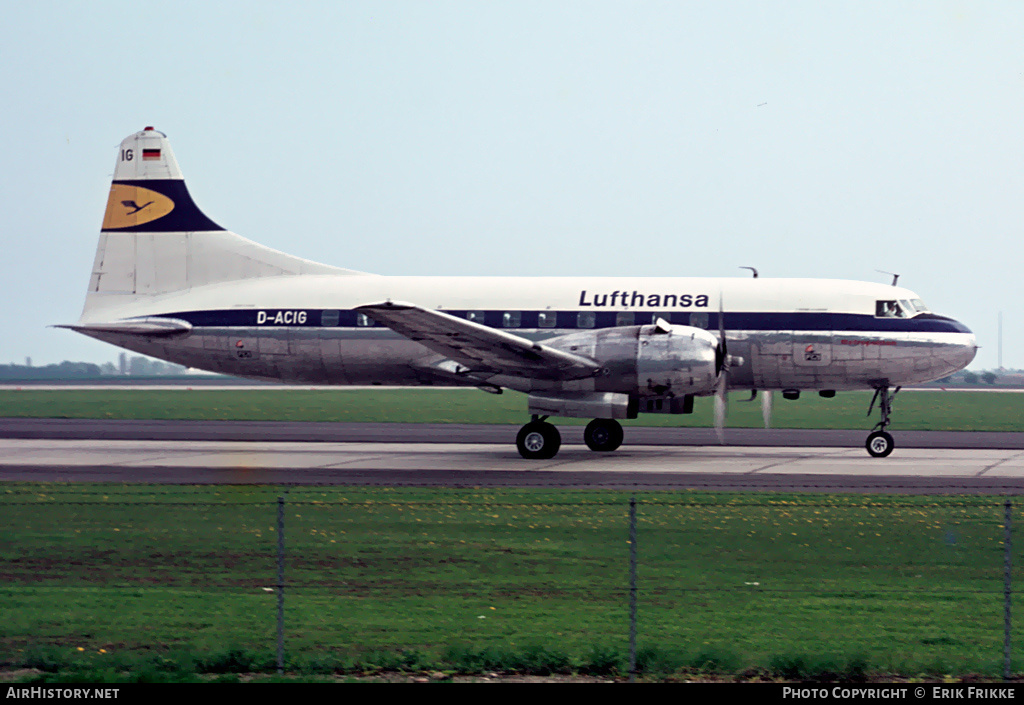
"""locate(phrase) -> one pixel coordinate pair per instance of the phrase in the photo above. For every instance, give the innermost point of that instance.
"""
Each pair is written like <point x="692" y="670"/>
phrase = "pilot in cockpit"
<point x="889" y="309"/>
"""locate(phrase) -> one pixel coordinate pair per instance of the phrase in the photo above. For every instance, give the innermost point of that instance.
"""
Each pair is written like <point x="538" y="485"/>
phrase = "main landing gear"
<point x="539" y="440"/>
<point x="880" y="442"/>
<point x="603" y="435"/>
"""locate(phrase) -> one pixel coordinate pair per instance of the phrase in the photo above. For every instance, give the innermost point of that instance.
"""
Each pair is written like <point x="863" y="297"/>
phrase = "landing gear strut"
<point x="538" y="440"/>
<point x="880" y="442"/>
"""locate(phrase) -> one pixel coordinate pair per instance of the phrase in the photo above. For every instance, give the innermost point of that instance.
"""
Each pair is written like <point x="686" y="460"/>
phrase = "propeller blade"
<point x="721" y="401"/>
<point x="766" y="408"/>
<point x="721" y="407"/>
<point x="721" y="328"/>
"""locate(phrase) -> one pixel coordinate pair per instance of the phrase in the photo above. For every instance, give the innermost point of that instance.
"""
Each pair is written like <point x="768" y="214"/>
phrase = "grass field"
<point x="112" y="582"/>
<point x="913" y="410"/>
<point x="169" y="581"/>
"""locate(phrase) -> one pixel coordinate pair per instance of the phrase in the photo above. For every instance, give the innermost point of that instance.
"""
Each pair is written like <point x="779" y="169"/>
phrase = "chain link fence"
<point x="623" y="583"/>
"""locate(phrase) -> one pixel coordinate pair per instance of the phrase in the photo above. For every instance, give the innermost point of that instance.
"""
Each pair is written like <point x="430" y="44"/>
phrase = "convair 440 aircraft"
<point x="170" y="283"/>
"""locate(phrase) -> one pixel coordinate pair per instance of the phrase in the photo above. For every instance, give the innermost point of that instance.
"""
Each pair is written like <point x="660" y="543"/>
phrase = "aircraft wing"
<point x="478" y="348"/>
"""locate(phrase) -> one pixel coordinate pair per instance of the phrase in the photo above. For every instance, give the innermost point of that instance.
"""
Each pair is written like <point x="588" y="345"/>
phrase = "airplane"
<point x="170" y="283"/>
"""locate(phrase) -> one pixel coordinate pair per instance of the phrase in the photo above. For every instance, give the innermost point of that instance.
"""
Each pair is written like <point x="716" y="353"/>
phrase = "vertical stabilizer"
<point x="155" y="240"/>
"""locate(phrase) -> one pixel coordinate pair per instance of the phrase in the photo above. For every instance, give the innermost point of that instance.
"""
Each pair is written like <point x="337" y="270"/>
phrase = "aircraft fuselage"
<point x="790" y="333"/>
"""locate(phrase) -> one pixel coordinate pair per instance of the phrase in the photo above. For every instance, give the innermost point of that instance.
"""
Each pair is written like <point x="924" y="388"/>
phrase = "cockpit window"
<point x="902" y="308"/>
<point x="892" y="309"/>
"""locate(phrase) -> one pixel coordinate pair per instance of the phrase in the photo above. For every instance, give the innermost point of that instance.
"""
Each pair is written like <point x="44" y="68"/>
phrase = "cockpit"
<point x="899" y="308"/>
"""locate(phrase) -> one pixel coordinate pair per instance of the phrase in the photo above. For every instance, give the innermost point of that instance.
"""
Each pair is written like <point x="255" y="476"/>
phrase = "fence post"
<point x="280" y="585"/>
<point x="632" y="589"/>
<point x="1007" y="553"/>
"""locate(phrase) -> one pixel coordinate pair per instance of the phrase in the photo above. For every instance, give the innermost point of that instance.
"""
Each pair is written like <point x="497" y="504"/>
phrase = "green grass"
<point x="171" y="582"/>
<point x="951" y="411"/>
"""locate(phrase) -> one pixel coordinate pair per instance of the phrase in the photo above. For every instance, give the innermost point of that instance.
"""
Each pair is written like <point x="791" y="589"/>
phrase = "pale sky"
<point x="807" y="139"/>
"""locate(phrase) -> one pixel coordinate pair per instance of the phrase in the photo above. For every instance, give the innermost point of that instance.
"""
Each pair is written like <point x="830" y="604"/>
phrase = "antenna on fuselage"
<point x="752" y="269"/>
<point x="895" y="277"/>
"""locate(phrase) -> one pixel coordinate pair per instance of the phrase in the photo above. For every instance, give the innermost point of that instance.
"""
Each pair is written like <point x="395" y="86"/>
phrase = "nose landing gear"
<point x="880" y="443"/>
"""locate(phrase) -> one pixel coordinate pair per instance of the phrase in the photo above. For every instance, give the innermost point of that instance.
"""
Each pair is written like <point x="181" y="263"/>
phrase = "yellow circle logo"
<point x="129" y="206"/>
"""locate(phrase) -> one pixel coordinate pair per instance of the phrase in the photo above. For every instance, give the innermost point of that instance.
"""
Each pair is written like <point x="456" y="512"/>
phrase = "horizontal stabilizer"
<point x="136" y="326"/>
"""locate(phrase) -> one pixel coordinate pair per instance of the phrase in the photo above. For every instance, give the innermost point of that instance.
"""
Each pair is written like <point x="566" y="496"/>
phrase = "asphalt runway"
<point x="305" y="431"/>
<point x="188" y="452"/>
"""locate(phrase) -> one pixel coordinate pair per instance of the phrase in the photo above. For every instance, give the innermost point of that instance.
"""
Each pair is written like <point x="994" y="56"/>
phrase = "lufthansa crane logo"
<point x="130" y="206"/>
<point x="134" y="207"/>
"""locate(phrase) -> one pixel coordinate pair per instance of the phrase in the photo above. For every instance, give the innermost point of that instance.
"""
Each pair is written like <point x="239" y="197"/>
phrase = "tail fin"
<point x="155" y="240"/>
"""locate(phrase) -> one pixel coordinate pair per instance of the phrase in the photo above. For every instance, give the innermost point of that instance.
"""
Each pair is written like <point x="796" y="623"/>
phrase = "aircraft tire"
<point x="603" y="435"/>
<point x="879" y="444"/>
<point x="538" y="440"/>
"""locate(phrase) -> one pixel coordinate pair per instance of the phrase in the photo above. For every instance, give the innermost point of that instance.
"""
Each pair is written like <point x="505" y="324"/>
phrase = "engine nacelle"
<point x="676" y="361"/>
<point x="657" y="360"/>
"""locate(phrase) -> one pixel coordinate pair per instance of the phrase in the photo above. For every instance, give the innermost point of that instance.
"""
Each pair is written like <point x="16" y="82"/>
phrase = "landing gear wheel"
<point x="880" y="444"/>
<point x="538" y="440"/>
<point x="603" y="435"/>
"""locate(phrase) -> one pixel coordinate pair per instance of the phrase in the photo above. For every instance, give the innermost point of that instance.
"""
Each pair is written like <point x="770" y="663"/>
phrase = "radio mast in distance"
<point x="1000" y="340"/>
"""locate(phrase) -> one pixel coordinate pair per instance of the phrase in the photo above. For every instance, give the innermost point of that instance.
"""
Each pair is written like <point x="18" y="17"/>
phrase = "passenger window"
<point x="475" y="316"/>
<point x="364" y="321"/>
<point x="624" y="318"/>
<point x="699" y="320"/>
<point x="546" y="319"/>
<point x="329" y="318"/>
<point x="585" y="319"/>
<point x="511" y="319"/>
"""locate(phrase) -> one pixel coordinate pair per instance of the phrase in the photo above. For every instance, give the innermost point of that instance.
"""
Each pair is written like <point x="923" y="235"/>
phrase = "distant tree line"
<point x="968" y="377"/>
<point x="63" y="370"/>
<point x="135" y="367"/>
<point x="986" y="377"/>
<point x="148" y="367"/>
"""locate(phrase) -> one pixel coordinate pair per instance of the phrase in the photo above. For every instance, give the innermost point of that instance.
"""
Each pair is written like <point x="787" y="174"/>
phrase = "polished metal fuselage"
<point x="781" y="334"/>
<point x="377" y="356"/>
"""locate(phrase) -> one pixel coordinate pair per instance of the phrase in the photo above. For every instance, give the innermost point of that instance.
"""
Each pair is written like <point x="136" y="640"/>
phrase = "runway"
<point x="304" y="431"/>
<point x="484" y="456"/>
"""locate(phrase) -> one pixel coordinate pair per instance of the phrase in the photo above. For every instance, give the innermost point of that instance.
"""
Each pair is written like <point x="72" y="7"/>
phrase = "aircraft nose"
<point x="965" y="348"/>
<point x="969" y="350"/>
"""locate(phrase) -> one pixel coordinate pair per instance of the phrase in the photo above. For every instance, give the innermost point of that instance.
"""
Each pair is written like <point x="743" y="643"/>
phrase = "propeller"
<point x="721" y="406"/>
<point x="722" y="360"/>
<point x="766" y="405"/>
